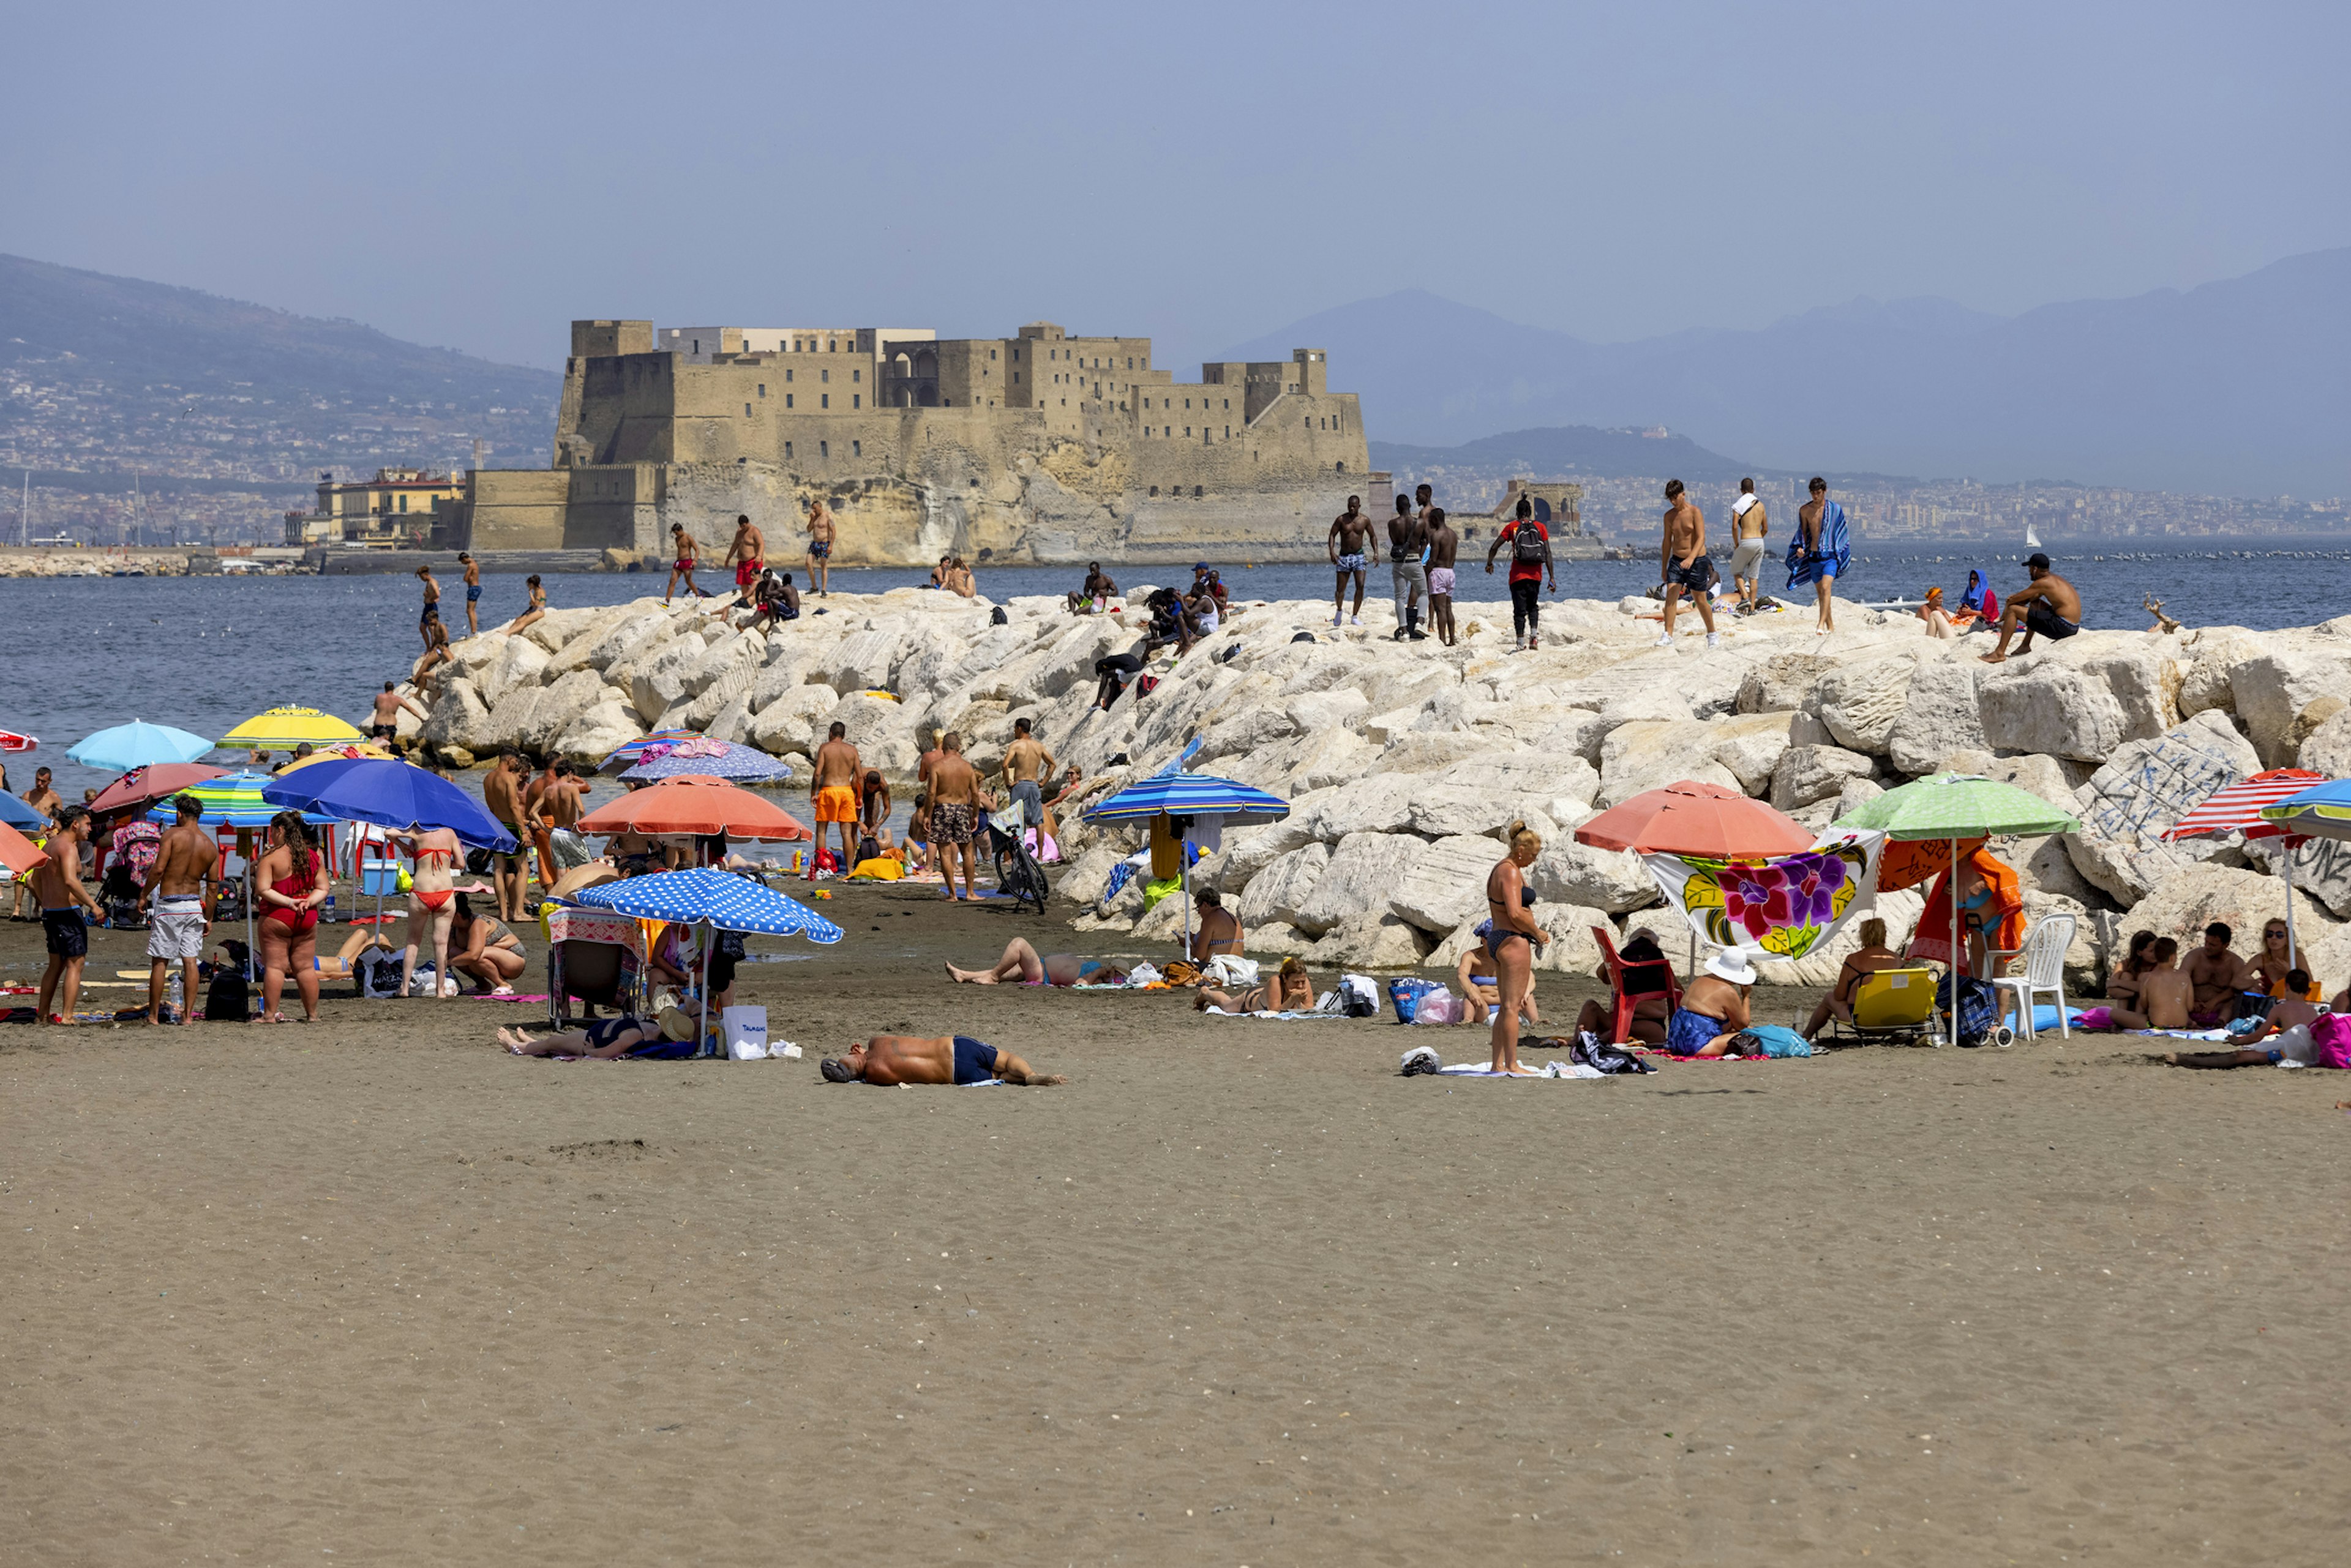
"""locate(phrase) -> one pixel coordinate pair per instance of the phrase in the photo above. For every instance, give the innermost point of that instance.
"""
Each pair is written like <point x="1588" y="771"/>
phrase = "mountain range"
<point x="2241" y="387"/>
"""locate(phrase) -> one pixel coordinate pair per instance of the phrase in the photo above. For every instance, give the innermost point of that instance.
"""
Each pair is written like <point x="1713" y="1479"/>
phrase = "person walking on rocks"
<point x="1345" y="542"/>
<point x="1821" y="552"/>
<point x="1749" y="527"/>
<point x="748" y="555"/>
<point x="819" y="556"/>
<point x="1683" y="563"/>
<point x="685" y="553"/>
<point x="2050" y="607"/>
<point x="1444" y="545"/>
<point x="1530" y="564"/>
<point x="834" y="777"/>
<point x="1407" y="544"/>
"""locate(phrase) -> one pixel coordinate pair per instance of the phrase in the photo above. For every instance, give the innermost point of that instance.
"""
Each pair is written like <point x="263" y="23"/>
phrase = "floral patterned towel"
<point x="1784" y="907"/>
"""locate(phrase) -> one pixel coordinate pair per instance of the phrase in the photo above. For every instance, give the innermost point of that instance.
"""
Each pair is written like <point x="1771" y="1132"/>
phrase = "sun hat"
<point x="1731" y="965"/>
<point x="675" y="1023"/>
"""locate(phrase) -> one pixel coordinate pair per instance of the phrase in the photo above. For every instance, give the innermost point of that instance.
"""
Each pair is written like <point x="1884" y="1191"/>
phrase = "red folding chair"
<point x="1633" y="984"/>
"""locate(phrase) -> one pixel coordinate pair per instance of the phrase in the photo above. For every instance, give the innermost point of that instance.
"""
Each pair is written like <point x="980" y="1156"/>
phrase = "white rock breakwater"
<point x="1403" y="762"/>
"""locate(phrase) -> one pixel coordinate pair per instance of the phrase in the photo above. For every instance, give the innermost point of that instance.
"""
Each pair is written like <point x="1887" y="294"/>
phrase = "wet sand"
<point x="373" y="1291"/>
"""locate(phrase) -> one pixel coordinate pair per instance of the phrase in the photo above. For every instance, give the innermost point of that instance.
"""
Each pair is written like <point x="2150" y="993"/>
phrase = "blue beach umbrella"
<point x="713" y="899"/>
<point x="18" y="815"/>
<point x="391" y="794"/>
<point x="2321" y="811"/>
<point x="718" y="758"/>
<point x="138" y="745"/>
<point x="626" y="756"/>
<point x="1176" y="794"/>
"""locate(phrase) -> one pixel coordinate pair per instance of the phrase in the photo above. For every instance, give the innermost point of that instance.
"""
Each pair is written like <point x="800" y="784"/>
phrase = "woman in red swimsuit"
<point x="290" y="885"/>
<point x="431" y="889"/>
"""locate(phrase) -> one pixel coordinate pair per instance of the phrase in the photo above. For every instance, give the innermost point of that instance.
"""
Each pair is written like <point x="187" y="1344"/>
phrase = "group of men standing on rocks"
<point x="1423" y="548"/>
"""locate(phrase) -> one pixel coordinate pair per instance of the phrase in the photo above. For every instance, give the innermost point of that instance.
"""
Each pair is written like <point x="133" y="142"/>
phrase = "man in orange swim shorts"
<point x="832" y="788"/>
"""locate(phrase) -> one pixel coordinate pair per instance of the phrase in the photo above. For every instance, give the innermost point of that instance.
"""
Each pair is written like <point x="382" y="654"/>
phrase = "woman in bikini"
<point x="1289" y="991"/>
<point x="432" y="893"/>
<point x="1023" y="963"/>
<point x="533" y="613"/>
<point x="2277" y="959"/>
<point x="290" y="886"/>
<point x="484" y="948"/>
<point x="1872" y="955"/>
<point x="2122" y="985"/>
<point x="1513" y="938"/>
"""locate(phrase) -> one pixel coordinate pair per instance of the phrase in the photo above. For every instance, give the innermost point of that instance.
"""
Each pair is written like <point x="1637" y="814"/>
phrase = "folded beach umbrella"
<point x="391" y="794"/>
<point x="18" y="853"/>
<point x="284" y="729"/>
<point x="629" y="756"/>
<point x="1953" y="806"/>
<point x="145" y="786"/>
<point x="715" y="900"/>
<point x="137" y="745"/>
<point x="10" y="741"/>
<point x="2238" y="810"/>
<point x="1702" y="821"/>
<point x="693" y="803"/>
<point x="712" y="758"/>
<point x="15" y="813"/>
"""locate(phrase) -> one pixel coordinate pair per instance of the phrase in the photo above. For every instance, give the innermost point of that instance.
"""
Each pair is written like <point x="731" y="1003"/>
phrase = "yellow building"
<point x="395" y="508"/>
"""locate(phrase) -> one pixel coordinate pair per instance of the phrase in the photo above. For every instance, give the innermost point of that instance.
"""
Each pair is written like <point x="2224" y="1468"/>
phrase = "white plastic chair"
<point x="2045" y="970"/>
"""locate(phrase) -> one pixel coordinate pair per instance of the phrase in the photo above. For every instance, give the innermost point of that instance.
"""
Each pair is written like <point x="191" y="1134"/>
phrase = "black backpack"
<point x="1526" y="541"/>
<point x="228" y="999"/>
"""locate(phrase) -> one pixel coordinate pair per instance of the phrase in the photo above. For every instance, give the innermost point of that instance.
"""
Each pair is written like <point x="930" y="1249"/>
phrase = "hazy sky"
<point x="476" y="175"/>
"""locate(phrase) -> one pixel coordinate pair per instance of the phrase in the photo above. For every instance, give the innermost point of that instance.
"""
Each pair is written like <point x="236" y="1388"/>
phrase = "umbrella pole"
<point x="703" y="1043"/>
<point x="2285" y="851"/>
<point x="1953" y="889"/>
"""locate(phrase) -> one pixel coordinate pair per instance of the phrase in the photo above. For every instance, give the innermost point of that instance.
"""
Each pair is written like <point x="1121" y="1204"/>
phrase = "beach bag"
<point x="1405" y="994"/>
<point x="1145" y="684"/>
<point x="1231" y="970"/>
<point x="1773" y="1040"/>
<point x="1526" y="543"/>
<point x="1979" y="1008"/>
<point x="1359" y="998"/>
<point x="745" y="1031"/>
<point x="228" y="999"/>
<point x="376" y="974"/>
<point x="1610" y="1060"/>
<point x="1439" y="1005"/>
<point x="2331" y="1032"/>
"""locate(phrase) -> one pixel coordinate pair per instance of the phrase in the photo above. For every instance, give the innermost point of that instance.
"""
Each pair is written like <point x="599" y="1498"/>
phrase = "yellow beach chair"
<point x="1891" y="1004"/>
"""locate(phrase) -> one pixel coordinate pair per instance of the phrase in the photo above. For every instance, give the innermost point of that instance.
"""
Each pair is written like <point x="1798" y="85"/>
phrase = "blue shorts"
<point x="1690" y="1032"/>
<point x="975" y="1060"/>
<point x="473" y="592"/>
<point x="1694" y="576"/>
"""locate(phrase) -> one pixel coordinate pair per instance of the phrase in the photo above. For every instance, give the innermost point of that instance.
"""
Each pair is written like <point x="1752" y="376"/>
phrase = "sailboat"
<point x="2031" y="539"/>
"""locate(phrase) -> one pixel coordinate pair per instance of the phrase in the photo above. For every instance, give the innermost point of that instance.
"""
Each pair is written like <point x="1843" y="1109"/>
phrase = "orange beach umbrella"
<point x="18" y="853"/>
<point x="1703" y="821"/>
<point x="695" y="803"/>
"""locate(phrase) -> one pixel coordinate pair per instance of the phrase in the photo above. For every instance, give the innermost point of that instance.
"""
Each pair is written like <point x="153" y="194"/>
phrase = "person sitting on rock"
<point x="891" y="1059"/>
<point x="1872" y="955"/>
<point x="1098" y="590"/>
<point x="1715" y="1007"/>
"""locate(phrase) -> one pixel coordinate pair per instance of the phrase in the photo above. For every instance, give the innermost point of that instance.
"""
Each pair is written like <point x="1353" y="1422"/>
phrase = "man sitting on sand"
<point x="1715" y="1008"/>
<point x="888" y="1059"/>
<point x="2283" y="1037"/>
<point x="2218" y="975"/>
<point x="1290" y="990"/>
<point x="671" y="1036"/>
<point x="2050" y="607"/>
<point x="2166" y="995"/>
<point x="1021" y="962"/>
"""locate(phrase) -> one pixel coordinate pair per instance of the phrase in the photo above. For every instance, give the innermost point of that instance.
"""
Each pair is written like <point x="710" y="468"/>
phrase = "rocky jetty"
<point x="1404" y="761"/>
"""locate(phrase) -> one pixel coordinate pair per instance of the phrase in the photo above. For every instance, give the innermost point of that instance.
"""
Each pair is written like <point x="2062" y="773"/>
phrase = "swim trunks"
<point x="2040" y="618"/>
<point x="384" y="732"/>
<point x="953" y="821"/>
<point x="176" y="929"/>
<point x="680" y="564"/>
<point x="975" y="1060"/>
<point x="1695" y="576"/>
<point x="1032" y="803"/>
<point x="747" y="573"/>
<point x="1690" y="1032"/>
<point x="473" y="592"/>
<point x="1440" y="582"/>
<point x="1747" y="558"/>
<point x="818" y="549"/>
<point x="570" y="849"/>
<point x="1352" y="562"/>
<point x="66" y="931"/>
<point x="836" y="803"/>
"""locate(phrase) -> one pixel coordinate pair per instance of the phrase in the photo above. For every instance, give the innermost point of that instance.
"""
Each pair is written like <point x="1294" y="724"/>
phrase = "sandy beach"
<point x="374" y="1291"/>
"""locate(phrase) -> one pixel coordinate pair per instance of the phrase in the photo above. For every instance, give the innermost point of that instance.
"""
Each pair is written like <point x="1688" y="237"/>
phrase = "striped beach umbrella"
<point x="713" y="758"/>
<point x="2240" y="808"/>
<point x="1191" y="795"/>
<point x="284" y="729"/>
<point x="232" y="800"/>
<point x="628" y="755"/>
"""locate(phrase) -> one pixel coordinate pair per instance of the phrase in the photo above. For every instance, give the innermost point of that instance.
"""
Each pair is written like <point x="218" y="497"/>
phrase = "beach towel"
<point x="1292" y="1017"/>
<point x="1784" y="905"/>
<point x="1547" y="1069"/>
<point x="2002" y="912"/>
<point x="1909" y="861"/>
<point x="1831" y="559"/>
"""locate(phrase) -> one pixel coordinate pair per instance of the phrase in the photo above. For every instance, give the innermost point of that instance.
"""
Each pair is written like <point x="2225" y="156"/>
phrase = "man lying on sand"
<point x="949" y="1059"/>
<point x="1021" y="962"/>
<point x="669" y="1036"/>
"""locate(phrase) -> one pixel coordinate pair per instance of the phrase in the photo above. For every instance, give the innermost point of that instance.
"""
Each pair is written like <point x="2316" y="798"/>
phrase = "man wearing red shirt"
<point x="1530" y="565"/>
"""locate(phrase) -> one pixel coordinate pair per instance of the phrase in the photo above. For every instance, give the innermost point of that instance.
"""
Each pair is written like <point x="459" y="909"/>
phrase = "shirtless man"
<point x="1348" y="529"/>
<point x="748" y="555"/>
<point x="1683" y="563"/>
<point x="473" y="592"/>
<point x="890" y="1059"/>
<point x="819" y="556"/>
<point x="1407" y="537"/>
<point x="431" y="615"/>
<point x="178" y="894"/>
<point x="873" y="808"/>
<point x="1749" y="527"/>
<point x="57" y="881"/>
<point x="833" y="791"/>
<point x="1097" y="592"/>
<point x="555" y="800"/>
<point x="385" y="727"/>
<point x="957" y="802"/>
<point x="684" y="553"/>
<point x="502" y="792"/>
<point x="43" y="796"/>
<point x="1025" y="766"/>
<point x="1219" y="930"/>
<point x="1818" y="566"/>
<point x="2050" y="607"/>
<point x="1444" y="544"/>
<point x="2166" y="994"/>
<point x="2218" y="975"/>
<point x="437" y="653"/>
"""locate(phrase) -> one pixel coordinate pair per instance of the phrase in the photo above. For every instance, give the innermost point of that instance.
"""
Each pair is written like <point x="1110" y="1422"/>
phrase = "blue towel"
<point x="1779" y="1040"/>
<point x="1831" y="559"/>
<point x="1120" y="874"/>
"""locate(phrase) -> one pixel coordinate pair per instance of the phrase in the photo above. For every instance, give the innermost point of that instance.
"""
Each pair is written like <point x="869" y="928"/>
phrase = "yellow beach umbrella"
<point x="284" y="729"/>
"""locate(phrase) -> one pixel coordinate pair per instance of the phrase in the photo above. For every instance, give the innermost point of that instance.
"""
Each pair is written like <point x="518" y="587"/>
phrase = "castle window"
<point x="1228" y="432"/>
<point x="857" y="449"/>
<point x="824" y="400"/>
<point x="788" y="372"/>
<point x="824" y="375"/>
<point x="787" y="452"/>
<point x="1155" y="489"/>
<point x="763" y="389"/>
<point x="1338" y="468"/>
<point x="746" y="411"/>
<point x="1188" y="433"/>
<point x="1195" y="492"/>
<point x="787" y="400"/>
<point x="824" y="449"/>
<point x="1228" y="403"/>
<point x="991" y="353"/>
<point x="857" y="375"/>
<point x="1167" y="430"/>
<point x="857" y="400"/>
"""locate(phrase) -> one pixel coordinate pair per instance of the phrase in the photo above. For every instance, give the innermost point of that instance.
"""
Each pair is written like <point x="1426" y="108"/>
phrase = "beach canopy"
<point x="145" y="786"/>
<point x="2322" y="811"/>
<point x="137" y="745"/>
<point x="15" y="813"/>
<point x="2238" y="808"/>
<point x="1958" y="806"/>
<point x="693" y="803"/>
<point x="711" y="758"/>
<point x="1191" y="795"/>
<point x="630" y="755"/>
<point x="391" y="794"/>
<point x="10" y="741"/>
<point x="232" y="800"/>
<point x="18" y="853"/>
<point x="709" y="896"/>
<point x="284" y="729"/>
<point x="1700" y="820"/>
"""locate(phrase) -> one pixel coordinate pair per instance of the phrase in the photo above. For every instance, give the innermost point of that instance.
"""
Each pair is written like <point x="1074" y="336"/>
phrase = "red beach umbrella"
<point x="1688" y="818"/>
<point x="142" y="786"/>
<point x="695" y="803"/>
<point x="2238" y="810"/>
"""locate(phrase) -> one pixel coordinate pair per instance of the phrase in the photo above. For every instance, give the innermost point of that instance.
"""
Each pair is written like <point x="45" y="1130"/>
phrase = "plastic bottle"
<point x="327" y="913"/>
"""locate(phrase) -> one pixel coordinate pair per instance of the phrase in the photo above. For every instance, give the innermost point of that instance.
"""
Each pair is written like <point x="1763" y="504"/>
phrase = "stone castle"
<point x="1038" y="447"/>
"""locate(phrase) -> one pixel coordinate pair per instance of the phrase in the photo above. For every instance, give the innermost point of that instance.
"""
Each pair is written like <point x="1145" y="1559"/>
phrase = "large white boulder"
<point x="658" y="681"/>
<point x="1569" y="873"/>
<point x="1316" y="760"/>
<point x="2327" y="749"/>
<point x="2284" y="698"/>
<point x="2212" y="654"/>
<point x="1445" y="884"/>
<point x="2322" y="868"/>
<point x="519" y="663"/>
<point x="2148" y="787"/>
<point x="1940" y="715"/>
<point x="2044" y="705"/>
<point x="2196" y="896"/>
<point x="1861" y="703"/>
<point x="459" y="717"/>
<point x="1806" y="774"/>
<point x="1379" y="804"/>
<point x="859" y="663"/>
<point x="1322" y="710"/>
<point x="1281" y="889"/>
<point x="794" y="719"/>
<point x="1751" y="745"/>
<point x="1362" y="871"/>
<point x="881" y="731"/>
<point x="1782" y="683"/>
<point x="1370" y="941"/>
<point x="597" y="731"/>
<point x="1650" y="754"/>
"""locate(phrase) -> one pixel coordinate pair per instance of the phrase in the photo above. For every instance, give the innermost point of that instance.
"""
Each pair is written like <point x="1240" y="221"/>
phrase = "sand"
<point x="374" y="1291"/>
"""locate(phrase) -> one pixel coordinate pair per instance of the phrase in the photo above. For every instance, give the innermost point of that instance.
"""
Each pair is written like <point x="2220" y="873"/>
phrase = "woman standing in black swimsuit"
<point x="1512" y="937"/>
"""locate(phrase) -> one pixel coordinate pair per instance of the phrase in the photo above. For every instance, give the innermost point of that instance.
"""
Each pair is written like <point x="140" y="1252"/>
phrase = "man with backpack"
<point x="1530" y="566"/>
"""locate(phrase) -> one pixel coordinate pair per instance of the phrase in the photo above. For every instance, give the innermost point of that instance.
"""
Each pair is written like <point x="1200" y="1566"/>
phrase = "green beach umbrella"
<point x="1956" y="806"/>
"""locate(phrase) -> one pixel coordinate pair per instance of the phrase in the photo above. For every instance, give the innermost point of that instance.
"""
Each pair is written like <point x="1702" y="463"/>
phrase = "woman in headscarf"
<point x="1978" y="604"/>
<point x="1940" y="621"/>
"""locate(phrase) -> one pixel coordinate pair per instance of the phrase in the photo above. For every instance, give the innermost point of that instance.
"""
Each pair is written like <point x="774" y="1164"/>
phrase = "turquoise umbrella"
<point x="138" y="745"/>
